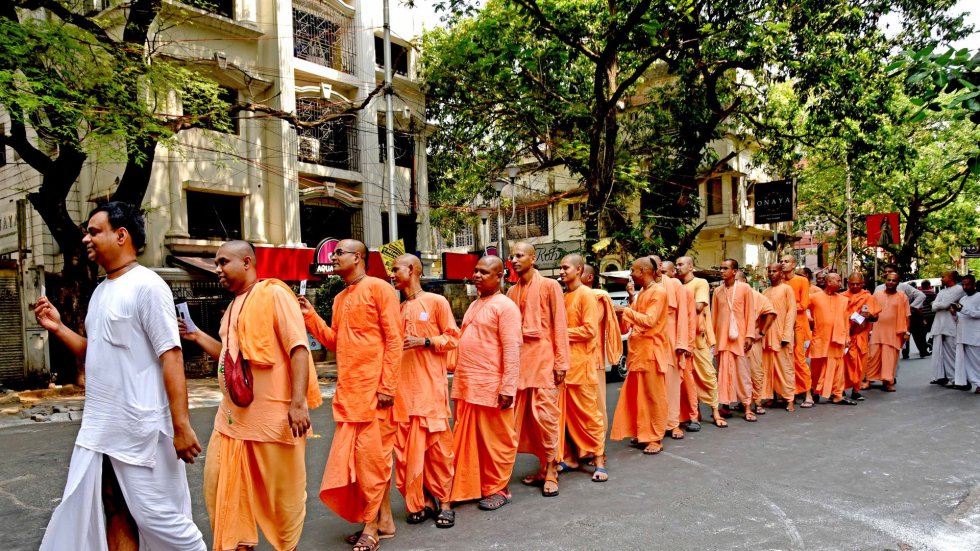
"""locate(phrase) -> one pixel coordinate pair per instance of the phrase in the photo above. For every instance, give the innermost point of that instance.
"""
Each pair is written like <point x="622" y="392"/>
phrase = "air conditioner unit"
<point x="309" y="149"/>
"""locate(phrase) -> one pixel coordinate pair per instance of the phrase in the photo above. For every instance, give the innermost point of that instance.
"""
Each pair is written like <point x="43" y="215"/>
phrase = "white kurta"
<point x="944" y="332"/>
<point x="131" y="322"/>
<point x="968" y="341"/>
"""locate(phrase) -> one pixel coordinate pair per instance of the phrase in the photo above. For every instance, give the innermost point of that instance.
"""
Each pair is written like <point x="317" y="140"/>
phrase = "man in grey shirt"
<point x="944" y="328"/>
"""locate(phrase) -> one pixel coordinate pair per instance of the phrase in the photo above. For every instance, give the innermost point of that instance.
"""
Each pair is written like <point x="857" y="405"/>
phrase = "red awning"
<point x="285" y="263"/>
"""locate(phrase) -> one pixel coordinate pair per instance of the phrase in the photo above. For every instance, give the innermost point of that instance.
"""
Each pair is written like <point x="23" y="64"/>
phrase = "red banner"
<point x="883" y="229"/>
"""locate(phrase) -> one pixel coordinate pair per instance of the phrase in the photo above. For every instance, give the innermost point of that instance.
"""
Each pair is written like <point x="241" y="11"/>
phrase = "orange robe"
<point x="255" y="470"/>
<point x="677" y="335"/>
<point x="366" y="334"/>
<point x="484" y="436"/>
<point x="732" y="304"/>
<point x="830" y="336"/>
<point x="801" y="295"/>
<point x="753" y="359"/>
<point x="424" y="441"/>
<point x="777" y="360"/>
<point x="856" y="359"/>
<point x="610" y="345"/>
<point x="642" y="408"/>
<point x="689" y="386"/>
<point x="887" y="336"/>
<point x="581" y="421"/>
<point x="705" y="376"/>
<point x="545" y="350"/>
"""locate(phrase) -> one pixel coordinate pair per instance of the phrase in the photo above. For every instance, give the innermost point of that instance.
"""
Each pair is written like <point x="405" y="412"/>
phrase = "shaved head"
<point x="239" y="248"/>
<point x="354" y="246"/>
<point x="575" y="259"/>
<point x="410" y="260"/>
<point x="492" y="263"/>
<point x="856" y="277"/>
<point x="524" y="247"/>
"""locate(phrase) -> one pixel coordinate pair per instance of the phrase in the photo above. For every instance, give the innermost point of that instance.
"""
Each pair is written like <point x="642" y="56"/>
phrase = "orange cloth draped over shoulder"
<point x="485" y="436"/>
<point x="642" y="408"/>
<point x="423" y="444"/>
<point x="887" y="335"/>
<point x="856" y="359"/>
<point x="366" y="334"/>
<point x="245" y="482"/>
<point x="801" y="295"/>
<point x="544" y="327"/>
<point x="761" y="306"/>
<point x="732" y="305"/>
<point x="679" y="338"/>
<point x="830" y="335"/>
<point x="610" y="345"/>
<point x="581" y="420"/>
<point x="777" y="360"/>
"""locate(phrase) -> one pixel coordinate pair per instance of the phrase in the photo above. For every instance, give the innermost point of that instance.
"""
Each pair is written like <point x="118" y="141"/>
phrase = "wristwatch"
<point x="428" y="343"/>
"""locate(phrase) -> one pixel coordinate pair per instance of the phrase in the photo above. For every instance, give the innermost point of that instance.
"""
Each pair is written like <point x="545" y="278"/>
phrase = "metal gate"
<point x="12" y="332"/>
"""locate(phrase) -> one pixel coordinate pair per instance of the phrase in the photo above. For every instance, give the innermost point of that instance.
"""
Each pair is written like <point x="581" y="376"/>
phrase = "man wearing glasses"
<point x="366" y="334"/>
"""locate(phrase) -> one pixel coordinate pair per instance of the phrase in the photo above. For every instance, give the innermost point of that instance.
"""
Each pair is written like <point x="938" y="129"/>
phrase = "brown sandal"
<point x="367" y="543"/>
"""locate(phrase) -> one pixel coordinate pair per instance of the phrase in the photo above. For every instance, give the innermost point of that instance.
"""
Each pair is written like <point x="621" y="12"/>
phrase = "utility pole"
<point x="389" y="131"/>
<point x="850" y="251"/>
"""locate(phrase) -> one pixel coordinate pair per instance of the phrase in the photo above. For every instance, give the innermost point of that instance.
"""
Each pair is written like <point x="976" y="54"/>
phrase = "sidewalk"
<point x="66" y="403"/>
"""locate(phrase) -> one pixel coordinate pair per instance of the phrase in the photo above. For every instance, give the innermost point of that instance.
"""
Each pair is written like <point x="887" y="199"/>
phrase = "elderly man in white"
<point x="968" y="336"/>
<point x="944" y="329"/>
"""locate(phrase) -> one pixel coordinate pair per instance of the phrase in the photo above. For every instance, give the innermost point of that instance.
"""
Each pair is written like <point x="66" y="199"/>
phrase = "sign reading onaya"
<point x="775" y="202"/>
<point x="883" y="229"/>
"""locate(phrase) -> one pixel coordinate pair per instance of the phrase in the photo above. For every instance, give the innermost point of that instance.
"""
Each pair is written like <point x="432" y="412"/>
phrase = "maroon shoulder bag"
<point x="238" y="374"/>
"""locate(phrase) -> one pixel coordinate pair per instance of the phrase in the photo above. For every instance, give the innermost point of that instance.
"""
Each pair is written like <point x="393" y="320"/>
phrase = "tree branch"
<point x="70" y="17"/>
<point x="531" y="6"/>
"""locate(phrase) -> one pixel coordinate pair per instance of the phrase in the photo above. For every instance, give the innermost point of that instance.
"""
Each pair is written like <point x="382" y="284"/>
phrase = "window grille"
<point x="463" y="237"/>
<point x="333" y="143"/>
<point x="323" y="35"/>
<point x="528" y="222"/>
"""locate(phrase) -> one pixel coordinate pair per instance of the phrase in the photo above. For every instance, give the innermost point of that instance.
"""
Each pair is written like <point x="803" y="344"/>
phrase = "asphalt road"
<point x="899" y="472"/>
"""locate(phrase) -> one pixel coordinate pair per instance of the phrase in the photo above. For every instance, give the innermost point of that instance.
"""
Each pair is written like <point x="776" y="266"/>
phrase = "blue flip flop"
<point x="563" y="467"/>
<point x="600" y="470"/>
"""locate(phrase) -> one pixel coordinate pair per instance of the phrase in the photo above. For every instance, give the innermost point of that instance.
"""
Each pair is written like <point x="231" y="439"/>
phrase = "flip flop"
<point x="352" y="539"/>
<point x="564" y="468"/>
<point x="655" y="451"/>
<point x="807" y="404"/>
<point x="368" y="543"/>
<point x="546" y="493"/>
<point x="598" y="471"/>
<point x="533" y="480"/>
<point x="721" y="423"/>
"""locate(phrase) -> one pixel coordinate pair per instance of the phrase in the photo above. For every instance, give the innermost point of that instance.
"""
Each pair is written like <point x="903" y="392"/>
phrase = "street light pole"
<point x="389" y="131"/>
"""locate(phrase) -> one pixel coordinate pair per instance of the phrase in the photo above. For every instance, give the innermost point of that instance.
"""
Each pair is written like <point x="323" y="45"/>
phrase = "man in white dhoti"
<point x="944" y="329"/>
<point x="126" y="487"/>
<point x="968" y="336"/>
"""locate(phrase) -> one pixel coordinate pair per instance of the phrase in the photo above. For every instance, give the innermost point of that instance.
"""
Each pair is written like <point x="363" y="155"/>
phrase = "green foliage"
<point x="76" y="88"/>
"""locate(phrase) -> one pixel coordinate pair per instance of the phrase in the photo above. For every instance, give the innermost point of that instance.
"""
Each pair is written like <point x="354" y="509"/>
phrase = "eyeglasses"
<point x="341" y="252"/>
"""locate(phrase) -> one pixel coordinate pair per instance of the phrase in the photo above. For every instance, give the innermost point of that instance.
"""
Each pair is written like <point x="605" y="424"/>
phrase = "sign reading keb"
<point x="390" y="252"/>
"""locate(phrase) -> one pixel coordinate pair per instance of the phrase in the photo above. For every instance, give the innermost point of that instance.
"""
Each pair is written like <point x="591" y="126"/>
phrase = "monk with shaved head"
<point x="862" y="312"/>
<point x="423" y="439"/>
<point x="544" y="362"/>
<point x="779" y="376"/>
<point x="581" y="423"/>
<point x="366" y="334"/>
<point x="255" y="473"/>
<point x="705" y="376"/>
<point x="484" y="386"/>
<point x="801" y="295"/>
<point x="641" y="412"/>
<point x="831" y="337"/>
<point x="677" y="329"/>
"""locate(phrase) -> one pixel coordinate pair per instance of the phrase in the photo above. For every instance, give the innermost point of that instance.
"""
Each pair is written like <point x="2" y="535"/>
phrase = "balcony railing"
<point x="333" y="143"/>
<point x="323" y="35"/>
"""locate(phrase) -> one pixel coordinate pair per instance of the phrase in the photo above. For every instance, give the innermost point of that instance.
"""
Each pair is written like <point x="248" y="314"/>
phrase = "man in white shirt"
<point x="944" y="329"/>
<point x="126" y="487"/>
<point x="968" y="336"/>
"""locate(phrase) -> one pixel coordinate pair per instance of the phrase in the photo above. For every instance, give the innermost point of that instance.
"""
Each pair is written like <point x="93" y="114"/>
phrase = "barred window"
<point x="323" y="35"/>
<point x="333" y="143"/>
<point x="463" y="237"/>
<point x="528" y="222"/>
<point x="713" y="191"/>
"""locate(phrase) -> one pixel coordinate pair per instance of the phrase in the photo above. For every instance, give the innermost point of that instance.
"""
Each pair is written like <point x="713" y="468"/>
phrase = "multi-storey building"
<point x="264" y="181"/>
